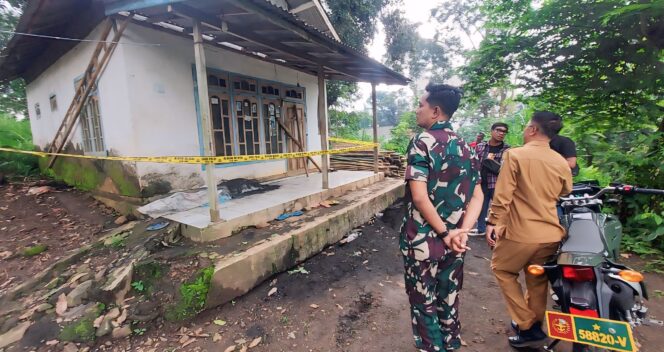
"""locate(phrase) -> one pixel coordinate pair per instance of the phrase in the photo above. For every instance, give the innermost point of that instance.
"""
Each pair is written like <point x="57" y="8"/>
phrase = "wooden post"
<point x="203" y="103"/>
<point x="322" y="125"/>
<point x="375" y="125"/>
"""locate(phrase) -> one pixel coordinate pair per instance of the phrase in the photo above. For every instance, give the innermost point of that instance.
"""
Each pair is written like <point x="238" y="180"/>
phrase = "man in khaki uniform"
<point x="524" y="222"/>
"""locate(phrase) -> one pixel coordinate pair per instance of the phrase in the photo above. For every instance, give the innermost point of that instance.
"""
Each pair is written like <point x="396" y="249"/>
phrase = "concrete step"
<point x="238" y="274"/>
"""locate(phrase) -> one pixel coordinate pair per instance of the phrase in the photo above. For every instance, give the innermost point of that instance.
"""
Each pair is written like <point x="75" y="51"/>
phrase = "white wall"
<point x="161" y="86"/>
<point x="147" y="102"/>
<point x="59" y="79"/>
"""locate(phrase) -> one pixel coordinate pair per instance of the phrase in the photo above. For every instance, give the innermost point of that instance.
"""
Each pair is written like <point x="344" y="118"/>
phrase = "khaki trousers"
<point x="508" y="259"/>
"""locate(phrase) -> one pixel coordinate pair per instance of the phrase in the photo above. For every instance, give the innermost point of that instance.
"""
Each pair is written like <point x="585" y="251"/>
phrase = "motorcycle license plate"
<point x="611" y="334"/>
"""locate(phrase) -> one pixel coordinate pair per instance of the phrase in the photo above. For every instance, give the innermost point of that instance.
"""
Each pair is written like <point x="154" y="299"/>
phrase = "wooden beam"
<point x="322" y="126"/>
<point x="375" y="126"/>
<point x="131" y="5"/>
<point x="238" y="32"/>
<point x="303" y="7"/>
<point x="206" y="123"/>
<point x="288" y="64"/>
<point x="326" y="19"/>
<point x="196" y="15"/>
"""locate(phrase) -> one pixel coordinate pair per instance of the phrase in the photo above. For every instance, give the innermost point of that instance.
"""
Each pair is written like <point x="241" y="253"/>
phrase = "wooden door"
<point x="294" y="121"/>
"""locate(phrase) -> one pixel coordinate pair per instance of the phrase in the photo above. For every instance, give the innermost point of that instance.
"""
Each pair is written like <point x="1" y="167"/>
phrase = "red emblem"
<point x="560" y="326"/>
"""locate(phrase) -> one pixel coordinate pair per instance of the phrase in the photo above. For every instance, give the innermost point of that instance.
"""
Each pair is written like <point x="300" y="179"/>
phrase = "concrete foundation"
<point x="237" y="274"/>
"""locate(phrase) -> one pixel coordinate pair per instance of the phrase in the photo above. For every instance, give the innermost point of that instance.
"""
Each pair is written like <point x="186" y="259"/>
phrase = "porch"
<point x="291" y="194"/>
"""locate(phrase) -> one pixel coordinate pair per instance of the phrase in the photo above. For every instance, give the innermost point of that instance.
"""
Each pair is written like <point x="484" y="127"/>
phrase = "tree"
<point x="390" y="106"/>
<point x="12" y="93"/>
<point x="355" y="22"/>
<point x="348" y="124"/>
<point x="408" y="52"/>
<point x="599" y="64"/>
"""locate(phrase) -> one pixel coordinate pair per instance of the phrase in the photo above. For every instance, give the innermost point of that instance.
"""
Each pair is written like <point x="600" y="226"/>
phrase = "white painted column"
<point x="375" y="126"/>
<point x="208" y="137"/>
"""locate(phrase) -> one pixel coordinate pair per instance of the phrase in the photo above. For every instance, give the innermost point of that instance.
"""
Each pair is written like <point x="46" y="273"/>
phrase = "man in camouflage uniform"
<point x="444" y="199"/>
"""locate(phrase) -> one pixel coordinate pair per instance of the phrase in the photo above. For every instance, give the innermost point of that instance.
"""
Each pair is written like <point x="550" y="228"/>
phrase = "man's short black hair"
<point x="549" y="123"/>
<point x="445" y="97"/>
<point x="500" y="124"/>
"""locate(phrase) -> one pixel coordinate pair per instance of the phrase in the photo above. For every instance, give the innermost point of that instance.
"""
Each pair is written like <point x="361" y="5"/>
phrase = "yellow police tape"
<point x="359" y="145"/>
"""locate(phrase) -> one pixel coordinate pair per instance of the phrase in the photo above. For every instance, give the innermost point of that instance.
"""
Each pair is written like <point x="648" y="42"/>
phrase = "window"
<point x="93" y="140"/>
<point x="270" y="90"/>
<point x="216" y="81"/>
<point x="221" y="125"/>
<point x="90" y="120"/>
<point x="37" y="111"/>
<point x="246" y="112"/>
<point x="274" y="136"/>
<point x="295" y="93"/>
<point x="244" y="85"/>
<point x="54" y="102"/>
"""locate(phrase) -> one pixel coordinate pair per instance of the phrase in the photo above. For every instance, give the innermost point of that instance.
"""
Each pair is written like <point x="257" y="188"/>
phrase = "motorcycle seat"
<point x="583" y="236"/>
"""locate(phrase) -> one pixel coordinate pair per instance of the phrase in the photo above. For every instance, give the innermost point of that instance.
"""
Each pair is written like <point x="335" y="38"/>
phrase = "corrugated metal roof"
<point x="256" y="28"/>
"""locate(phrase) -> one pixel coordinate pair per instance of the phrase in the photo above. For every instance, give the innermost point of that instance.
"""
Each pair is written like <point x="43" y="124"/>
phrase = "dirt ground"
<point x="352" y="299"/>
<point x="61" y="219"/>
<point x="348" y="298"/>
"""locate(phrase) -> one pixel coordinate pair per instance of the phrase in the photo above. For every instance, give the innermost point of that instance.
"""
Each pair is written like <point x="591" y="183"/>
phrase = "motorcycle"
<point x="585" y="276"/>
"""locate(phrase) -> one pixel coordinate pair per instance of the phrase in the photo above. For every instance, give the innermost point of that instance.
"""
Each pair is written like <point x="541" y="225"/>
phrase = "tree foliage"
<point x="600" y="65"/>
<point x="12" y="93"/>
<point x="409" y="53"/>
<point x="349" y="125"/>
<point x="390" y="106"/>
<point x="355" y="22"/>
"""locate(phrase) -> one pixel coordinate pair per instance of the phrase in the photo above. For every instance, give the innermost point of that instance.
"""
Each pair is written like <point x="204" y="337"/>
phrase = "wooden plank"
<point x="83" y="90"/>
<point x="130" y="5"/>
<point x="290" y="135"/>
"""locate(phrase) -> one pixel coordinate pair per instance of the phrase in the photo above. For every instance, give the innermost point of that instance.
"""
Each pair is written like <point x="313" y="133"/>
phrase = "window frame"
<point x="239" y="95"/>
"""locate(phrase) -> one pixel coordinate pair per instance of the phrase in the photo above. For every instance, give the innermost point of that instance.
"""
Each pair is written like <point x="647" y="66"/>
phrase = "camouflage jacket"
<point x="451" y="170"/>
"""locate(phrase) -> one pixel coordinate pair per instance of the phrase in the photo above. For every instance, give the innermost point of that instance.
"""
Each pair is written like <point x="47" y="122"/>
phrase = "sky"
<point x="416" y="11"/>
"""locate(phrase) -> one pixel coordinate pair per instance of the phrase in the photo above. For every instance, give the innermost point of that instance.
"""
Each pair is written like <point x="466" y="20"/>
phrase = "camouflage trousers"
<point x="433" y="292"/>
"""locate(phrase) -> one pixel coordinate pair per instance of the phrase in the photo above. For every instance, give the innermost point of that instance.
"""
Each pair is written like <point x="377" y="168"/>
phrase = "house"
<point x="265" y="63"/>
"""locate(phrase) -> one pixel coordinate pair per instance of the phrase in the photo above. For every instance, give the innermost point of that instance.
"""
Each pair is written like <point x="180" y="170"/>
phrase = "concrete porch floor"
<point x="293" y="192"/>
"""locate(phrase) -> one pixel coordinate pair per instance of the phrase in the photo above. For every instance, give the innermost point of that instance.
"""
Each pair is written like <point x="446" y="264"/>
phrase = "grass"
<point x="79" y="331"/>
<point x="34" y="250"/>
<point x="17" y="135"/>
<point x="117" y="241"/>
<point x="192" y="297"/>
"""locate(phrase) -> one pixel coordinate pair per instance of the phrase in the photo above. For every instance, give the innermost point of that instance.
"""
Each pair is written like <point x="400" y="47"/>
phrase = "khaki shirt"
<point x="530" y="182"/>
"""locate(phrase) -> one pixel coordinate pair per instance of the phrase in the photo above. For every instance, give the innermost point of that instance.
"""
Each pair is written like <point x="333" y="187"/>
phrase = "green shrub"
<point x="16" y="134"/>
<point x="192" y="297"/>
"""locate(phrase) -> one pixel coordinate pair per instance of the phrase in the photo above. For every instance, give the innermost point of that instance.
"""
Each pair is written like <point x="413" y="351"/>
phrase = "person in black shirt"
<point x="565" y="147"/>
